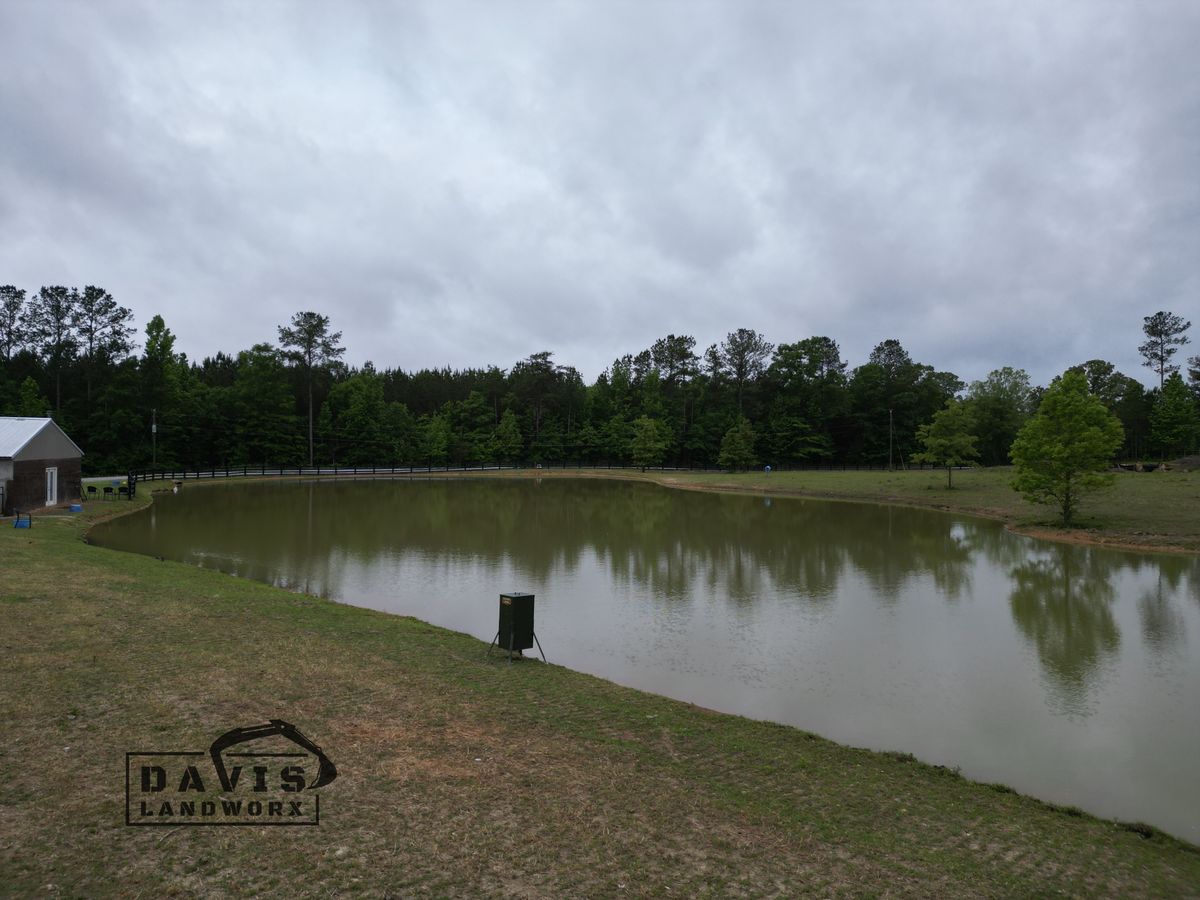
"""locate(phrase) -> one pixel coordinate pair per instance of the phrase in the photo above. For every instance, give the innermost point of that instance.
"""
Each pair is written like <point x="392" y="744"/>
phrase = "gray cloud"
<point x="994" y="183"/>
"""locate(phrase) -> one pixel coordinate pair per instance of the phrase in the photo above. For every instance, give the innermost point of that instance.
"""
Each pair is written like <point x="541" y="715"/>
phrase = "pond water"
<point x="1071" y="673"/>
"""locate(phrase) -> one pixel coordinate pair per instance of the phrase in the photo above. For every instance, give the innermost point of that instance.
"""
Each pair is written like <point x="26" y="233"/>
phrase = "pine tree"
<point x="309" y="344"/>
<point x="1164" y="336"/>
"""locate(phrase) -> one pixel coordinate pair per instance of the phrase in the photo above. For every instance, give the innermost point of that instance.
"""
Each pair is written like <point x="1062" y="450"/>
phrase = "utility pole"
<point x="889" y="440"/>
<point x="154" y="437"/>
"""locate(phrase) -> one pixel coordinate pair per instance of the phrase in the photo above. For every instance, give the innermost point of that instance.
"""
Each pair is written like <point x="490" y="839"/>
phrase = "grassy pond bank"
<point x="460" y="775"/>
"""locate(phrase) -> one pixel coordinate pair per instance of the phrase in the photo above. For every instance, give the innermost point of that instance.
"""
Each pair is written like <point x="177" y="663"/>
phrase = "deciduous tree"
<point x="737" y="447"/>
<point x="506" y="439"/>
<point x="999" y="406"/>
<point x="947" y="439"/>
<point x="650" y="441"/>
<point x="30" y="401"/>
<point x="1064" y="451"/>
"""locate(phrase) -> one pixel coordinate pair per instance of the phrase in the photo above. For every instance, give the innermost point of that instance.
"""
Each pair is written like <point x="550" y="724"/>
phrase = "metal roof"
<point x="15" y="433"/>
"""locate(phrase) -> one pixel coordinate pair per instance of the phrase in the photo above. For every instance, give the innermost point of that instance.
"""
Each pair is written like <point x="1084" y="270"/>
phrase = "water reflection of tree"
<point x="892" y="546"/>
<point x="673" y="544"/>
<point x="1163" y="625"/>
<point x="1061" y="603"/>
<point x="999" y="547"/>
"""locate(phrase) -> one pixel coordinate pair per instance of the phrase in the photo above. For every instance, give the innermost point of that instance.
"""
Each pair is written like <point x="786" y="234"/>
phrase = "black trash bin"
<point x="515" y="631"/>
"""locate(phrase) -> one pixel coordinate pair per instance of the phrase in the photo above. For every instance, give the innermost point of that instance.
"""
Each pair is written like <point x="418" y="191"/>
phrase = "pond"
<point x="1071" y="673"/>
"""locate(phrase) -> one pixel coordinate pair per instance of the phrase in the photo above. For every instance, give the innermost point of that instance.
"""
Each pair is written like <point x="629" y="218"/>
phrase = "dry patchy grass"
<point x="461" y="776"/>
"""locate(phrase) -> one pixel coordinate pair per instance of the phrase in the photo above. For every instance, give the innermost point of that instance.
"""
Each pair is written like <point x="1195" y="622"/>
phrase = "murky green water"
<point x="1071" y="673"/>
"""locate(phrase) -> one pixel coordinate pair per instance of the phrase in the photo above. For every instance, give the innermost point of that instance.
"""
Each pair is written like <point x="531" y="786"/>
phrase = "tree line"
<point x="742" y="402"/>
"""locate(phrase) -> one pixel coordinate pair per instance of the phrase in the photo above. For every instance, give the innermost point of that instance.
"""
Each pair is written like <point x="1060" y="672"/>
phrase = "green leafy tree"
<point x="264" y="409"/>
<point x="547" y="447"/>
<point x="1124" y="396"/>
<point x="201" y="426"/>
<point x="587" y="443"/>
<point x="947" y="439"/>
<point x="436" y="439"/>
<point x="357" y="408"/>
<point x="890" y="396"/>
<point x="506" y="439"/>
<point x="653" y="403"/>
<point x="737" y="447"/>
<point x="807" y="382"/>
<point x="650" y="441"/>
<point x="1065" y="449"/>
<point x="701" y="441"/>
<point x="1164" y="336"/>
<point x="118" y="432"/>
<point x="309" y="344"/>
<point x="1104" y="381"/>
<point x="30" y="401"/>
<point x="788" y="439"/>
<point x="471" y="424"/>
<point x="402" y="433"/>
<point x="1173" y="420"/>
<point x="533" y="382"/>
<point x="999" y="406"/>
<point x="616" y="438"/>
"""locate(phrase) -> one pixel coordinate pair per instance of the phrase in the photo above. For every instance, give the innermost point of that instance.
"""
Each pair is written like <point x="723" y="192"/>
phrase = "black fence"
<point x="384" y="471"/>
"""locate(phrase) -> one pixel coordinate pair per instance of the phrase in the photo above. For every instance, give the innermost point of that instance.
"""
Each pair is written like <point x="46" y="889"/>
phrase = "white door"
<point x="51" y="486"/>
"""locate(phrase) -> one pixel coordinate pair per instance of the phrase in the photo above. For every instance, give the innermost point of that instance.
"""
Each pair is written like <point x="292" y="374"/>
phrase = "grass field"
<point x="461" y="776"/>
<point x="1155" y="511"/>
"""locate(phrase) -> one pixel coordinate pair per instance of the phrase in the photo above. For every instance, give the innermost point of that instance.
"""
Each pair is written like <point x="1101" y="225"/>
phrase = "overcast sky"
<point x="992" y="183"/>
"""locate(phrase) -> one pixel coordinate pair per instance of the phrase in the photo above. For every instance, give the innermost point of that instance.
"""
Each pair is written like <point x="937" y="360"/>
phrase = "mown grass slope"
<point x="461" y="776"/>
